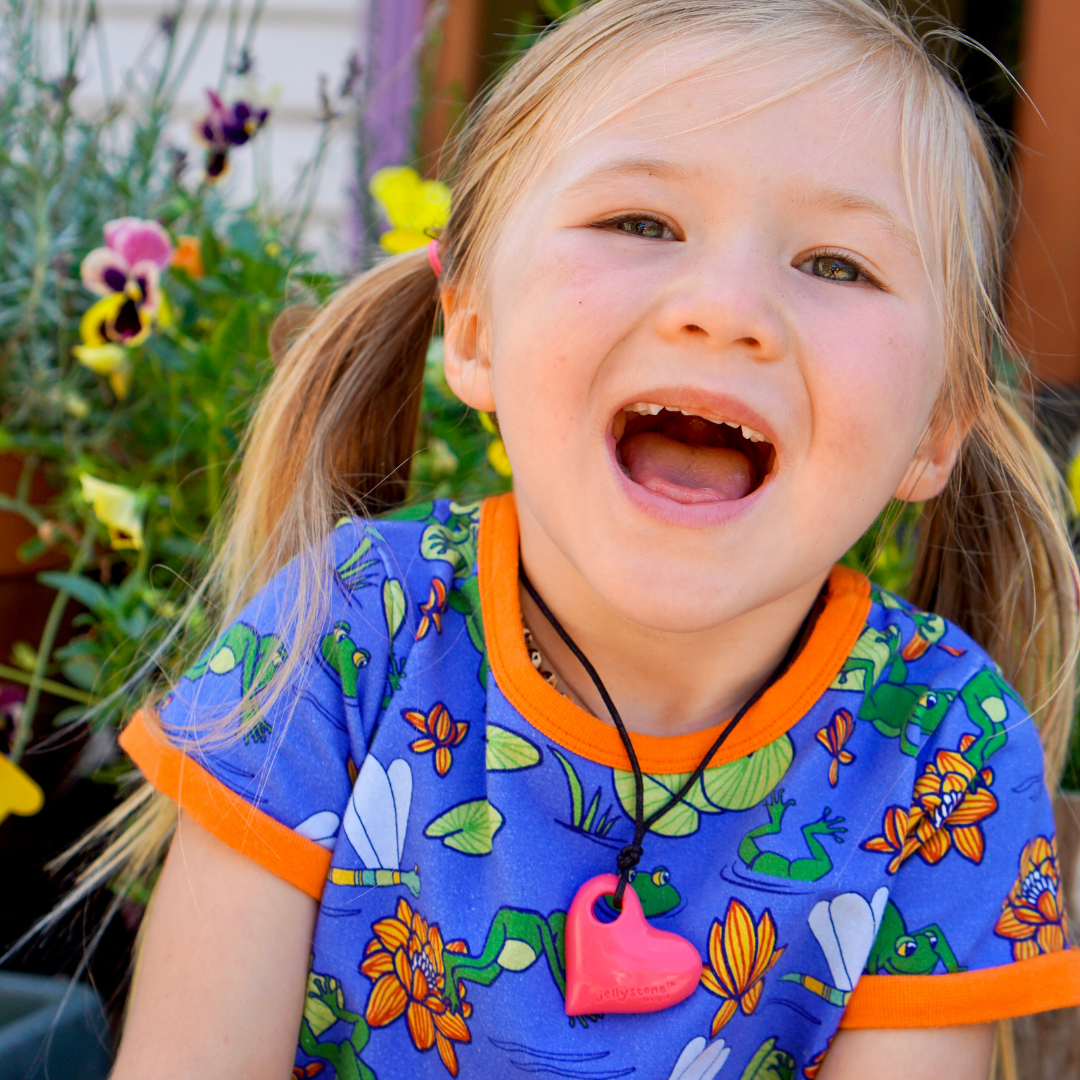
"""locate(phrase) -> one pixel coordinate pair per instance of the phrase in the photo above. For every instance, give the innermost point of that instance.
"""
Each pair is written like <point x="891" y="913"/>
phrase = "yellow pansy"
<point x="116" y="508"/>
<point x="1073" y="478"/>
<point x="497" y="458"/>
<point x="114" y="318"/>
<point x="18" y="793"/>
<point x="111" y="361"/>
<point x="416" y="208"/>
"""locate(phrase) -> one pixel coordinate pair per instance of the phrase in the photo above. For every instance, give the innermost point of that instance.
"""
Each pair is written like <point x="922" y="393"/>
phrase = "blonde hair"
<point x="335" y="430"/>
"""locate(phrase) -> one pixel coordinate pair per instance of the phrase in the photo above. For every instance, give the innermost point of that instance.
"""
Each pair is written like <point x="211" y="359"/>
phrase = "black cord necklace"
<point x="631" y="854"/>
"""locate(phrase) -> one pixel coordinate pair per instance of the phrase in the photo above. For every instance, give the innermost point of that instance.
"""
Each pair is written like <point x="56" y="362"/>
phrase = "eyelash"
<point x="613" y="223"/>
<point x="842" y="256"/>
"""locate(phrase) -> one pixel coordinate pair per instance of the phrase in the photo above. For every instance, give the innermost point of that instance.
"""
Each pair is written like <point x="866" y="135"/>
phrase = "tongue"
<point x="684" y="472"/>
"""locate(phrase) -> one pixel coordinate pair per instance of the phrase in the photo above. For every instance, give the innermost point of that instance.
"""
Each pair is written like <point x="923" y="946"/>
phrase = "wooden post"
<point x="457" y="73"/>
<point x="1044" y="310"/>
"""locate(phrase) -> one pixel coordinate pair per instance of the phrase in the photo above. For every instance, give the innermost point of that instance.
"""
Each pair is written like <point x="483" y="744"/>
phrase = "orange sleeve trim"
<point x="1051" y="981"/>
<point x="219" y="810"/>
<point x="779" y="709"/>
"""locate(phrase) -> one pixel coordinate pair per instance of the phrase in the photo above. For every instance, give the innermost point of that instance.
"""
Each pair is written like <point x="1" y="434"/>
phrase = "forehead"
<point x="786" y="125"/>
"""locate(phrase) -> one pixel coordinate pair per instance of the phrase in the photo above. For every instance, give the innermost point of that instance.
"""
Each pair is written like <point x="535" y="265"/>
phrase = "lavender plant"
<point x="135" y="317"/>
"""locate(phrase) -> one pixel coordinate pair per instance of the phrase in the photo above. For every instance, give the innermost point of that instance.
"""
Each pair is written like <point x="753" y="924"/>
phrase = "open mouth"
<point x="681" y="455"/>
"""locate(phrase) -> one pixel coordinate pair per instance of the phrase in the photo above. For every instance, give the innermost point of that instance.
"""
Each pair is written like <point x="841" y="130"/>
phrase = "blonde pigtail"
<point x="334" y="434"/>
<point x="994" y="557"/>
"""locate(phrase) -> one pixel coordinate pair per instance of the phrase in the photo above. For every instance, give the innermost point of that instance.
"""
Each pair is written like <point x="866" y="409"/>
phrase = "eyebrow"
<point x="848" y="201"/>
<point x="661" y="168"/>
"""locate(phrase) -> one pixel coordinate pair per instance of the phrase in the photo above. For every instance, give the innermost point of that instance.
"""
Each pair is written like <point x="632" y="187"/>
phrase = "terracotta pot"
<point x="15" y="530"/>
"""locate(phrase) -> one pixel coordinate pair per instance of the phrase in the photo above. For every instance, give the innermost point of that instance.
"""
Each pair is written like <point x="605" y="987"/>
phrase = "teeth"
<point x="648" y="408"/>
<point x="618" y="425"/>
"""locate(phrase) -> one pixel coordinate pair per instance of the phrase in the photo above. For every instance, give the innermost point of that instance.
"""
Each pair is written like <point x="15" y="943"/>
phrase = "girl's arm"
<point x="219" y="984"/>
<point x="960" y="1053"/>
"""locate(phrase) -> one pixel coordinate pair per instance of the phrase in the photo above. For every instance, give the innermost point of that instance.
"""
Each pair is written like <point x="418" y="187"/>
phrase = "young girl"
<point x="728" y="273"/>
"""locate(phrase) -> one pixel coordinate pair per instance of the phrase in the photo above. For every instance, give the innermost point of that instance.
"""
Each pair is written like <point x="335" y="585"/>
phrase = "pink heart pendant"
<point x="626" y="966"/>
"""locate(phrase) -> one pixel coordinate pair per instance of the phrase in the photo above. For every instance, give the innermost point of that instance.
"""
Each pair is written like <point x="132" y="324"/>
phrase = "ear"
<point x="467" y="359"/>
<point x="933" y="463"/>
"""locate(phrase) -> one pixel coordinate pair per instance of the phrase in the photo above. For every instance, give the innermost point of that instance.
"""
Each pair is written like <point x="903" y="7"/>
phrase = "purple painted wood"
<point x="393" y="47"/>
<point x="391" y="34"/>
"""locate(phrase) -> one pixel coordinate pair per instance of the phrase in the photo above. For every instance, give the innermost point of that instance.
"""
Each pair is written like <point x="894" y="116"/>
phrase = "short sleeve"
<point x="260" y="747"/>
<point x="974" y="927"/>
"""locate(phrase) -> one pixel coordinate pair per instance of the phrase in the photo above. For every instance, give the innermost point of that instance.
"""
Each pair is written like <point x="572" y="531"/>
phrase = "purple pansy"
<point x="225" y="126"/>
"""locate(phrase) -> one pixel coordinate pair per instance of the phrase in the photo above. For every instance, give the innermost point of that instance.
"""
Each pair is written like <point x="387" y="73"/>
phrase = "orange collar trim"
<point x="780" y="708"/>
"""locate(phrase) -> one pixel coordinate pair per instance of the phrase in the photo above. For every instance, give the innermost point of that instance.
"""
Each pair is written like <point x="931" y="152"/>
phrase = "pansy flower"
<point x="416" y="208"/>
<point x="125" y="273"/>
<point x="109" y="360"/>
<point x="188" y="256"/>
<point x="117" y="508"/>
<point x="224" y="127"/>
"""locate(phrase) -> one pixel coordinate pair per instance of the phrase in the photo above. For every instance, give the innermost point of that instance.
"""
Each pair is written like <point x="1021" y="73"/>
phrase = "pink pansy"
<point x="136" y="240"/>
<point x="130" y="264"/>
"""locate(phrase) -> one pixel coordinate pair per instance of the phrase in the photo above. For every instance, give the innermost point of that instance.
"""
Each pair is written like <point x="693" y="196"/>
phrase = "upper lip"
<point x="718" y="408"/>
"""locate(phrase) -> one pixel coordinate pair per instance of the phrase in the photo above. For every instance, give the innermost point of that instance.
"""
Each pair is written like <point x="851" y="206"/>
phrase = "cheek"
<point x="873" y="384"/>
<point x="556" y="315"/>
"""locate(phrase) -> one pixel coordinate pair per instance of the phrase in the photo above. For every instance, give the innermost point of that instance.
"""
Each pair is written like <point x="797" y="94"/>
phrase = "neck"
<point x="663" y="683"/>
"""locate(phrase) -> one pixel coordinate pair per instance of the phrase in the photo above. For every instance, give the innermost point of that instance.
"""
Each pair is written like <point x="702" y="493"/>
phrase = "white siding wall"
<point x="296" y="42"/>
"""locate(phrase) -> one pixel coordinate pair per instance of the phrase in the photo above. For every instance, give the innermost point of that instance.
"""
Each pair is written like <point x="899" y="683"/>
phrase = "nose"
<point x="727" y="295"/>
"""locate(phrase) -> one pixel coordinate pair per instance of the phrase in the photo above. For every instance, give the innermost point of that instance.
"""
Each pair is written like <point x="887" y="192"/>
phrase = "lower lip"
<point x="706" y="515"/>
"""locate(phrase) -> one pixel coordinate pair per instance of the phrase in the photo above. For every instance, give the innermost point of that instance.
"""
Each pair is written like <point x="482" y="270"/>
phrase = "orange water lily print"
<point x="441" y="732"/>
<point x="834" y="736"/>
<point x="405" y="961"/>
<point x="740" y="953"/>
<point x="1033" y="914"/>
<point x="433" y="611"/>
<point x="951" y="798"/>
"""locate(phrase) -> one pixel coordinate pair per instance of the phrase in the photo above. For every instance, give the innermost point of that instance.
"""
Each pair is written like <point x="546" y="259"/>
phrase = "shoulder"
<point x="937" y="686"/>
<point x="441" y="531"/>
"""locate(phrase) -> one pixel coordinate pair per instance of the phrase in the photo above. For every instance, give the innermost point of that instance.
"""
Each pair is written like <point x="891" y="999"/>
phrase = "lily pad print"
<point x="736" y="785"/>
<point x="469" y="827"/>
<point x="507" y="751"/>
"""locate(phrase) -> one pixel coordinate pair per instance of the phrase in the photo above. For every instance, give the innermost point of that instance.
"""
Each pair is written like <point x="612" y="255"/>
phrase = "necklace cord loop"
<point x="630" y="855"/>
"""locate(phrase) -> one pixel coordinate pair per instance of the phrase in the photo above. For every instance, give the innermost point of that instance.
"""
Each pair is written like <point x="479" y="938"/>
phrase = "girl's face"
<point x="713" y="348"/>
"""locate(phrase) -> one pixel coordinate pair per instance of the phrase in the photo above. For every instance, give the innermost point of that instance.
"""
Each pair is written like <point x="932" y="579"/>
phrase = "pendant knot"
<point x="628" y="858"/>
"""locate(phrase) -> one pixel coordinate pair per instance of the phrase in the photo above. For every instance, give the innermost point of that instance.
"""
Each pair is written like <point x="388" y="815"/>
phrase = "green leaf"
<point x="577" y="801"/>
<point x="507" y="751"/>
<point x="89" y="593"/>
<point x="81" y="672"/>
<point x="393" y="598"/>
<point x="736" y="785"/>
<point x="469" y="827"/>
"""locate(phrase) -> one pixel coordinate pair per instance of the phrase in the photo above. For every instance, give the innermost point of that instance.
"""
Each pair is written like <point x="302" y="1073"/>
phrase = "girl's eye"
<point x="649" y="228"/>
<point x="834" y="268"/>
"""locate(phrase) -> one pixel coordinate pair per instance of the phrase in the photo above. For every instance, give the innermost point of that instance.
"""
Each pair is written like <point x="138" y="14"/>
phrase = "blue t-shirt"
<point x="872" y="847"/>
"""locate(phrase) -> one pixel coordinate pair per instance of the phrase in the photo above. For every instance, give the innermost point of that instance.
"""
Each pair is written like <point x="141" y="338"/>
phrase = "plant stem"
<point x="50" y="686"/>
<point x="25" y="726"/>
